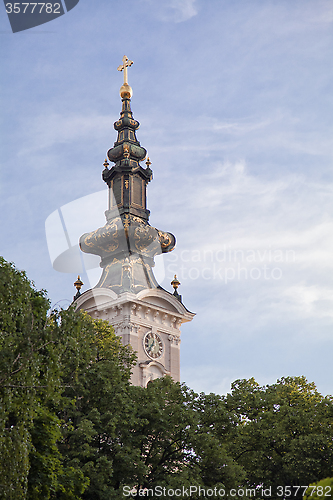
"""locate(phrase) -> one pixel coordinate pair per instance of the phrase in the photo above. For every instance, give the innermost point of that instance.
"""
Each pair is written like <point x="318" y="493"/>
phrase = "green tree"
<point x="145" y="437"/>
<point x="44" y="359"/>
<point x="96" y="372"/>
<point x="80" y="345"/>
<point x="22" y="317"/>
<point x="217" y="428"/>
<point x="284" y="433"/>
<point x="73" y="428"/>
<point x="321" y="490"/>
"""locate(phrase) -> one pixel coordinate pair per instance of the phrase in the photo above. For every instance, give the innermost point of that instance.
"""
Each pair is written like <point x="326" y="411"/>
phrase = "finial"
<point x="106" y="164"/>
<point x="78" y="285"/>
<point x="148" y="169"/>
<point x="175" y="283"/>
<point x="125" y="89"/>
<point x="126" y="64"/>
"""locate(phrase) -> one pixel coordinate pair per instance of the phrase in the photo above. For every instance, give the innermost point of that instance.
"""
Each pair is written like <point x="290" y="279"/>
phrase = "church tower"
<point x="127" y="295"/>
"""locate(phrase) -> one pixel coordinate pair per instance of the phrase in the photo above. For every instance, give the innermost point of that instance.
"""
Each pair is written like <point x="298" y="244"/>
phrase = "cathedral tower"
<point x="127" y="295"/>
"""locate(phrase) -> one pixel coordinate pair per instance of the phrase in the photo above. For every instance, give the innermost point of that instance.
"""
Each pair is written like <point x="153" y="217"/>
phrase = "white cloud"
<point x="45" y="131"/>
<point x="238" y="223"/>
<point x="202" y="376"/>
<point x="239" y="127"/>
<point x="183" y="9"/>
<point x="173" y="10"/>
<point x="280" y="131"/>
<point x="310" y="300"/>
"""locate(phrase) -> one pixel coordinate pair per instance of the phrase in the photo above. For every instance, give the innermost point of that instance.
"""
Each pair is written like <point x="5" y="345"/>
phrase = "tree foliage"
<point x="73" y="428"/>
<point x="321" y="490"/>
<point x="44" y="359"/>
<point x="143" y="438"/>
<point x="22" y="318"/>
<point x="284" y="432"/>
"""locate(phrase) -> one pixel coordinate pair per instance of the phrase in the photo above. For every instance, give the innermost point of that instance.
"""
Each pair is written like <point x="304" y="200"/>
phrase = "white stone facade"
<point x="135" y="316"/>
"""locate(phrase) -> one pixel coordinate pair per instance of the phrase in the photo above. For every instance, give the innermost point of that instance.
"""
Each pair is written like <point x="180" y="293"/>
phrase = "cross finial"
<point x="126" y="64"/>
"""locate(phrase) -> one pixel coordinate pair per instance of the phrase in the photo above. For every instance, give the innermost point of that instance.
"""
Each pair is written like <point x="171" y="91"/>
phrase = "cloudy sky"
<point x="234" y="98"/>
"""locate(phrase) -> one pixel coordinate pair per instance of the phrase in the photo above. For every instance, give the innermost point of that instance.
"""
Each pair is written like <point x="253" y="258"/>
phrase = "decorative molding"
<point x="174" y="339"/>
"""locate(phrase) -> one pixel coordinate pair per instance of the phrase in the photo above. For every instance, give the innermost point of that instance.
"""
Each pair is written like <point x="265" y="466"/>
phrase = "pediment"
<point x="95" y="298"/>
<point x="163" y="299"/>
<point x="160" y="302"/>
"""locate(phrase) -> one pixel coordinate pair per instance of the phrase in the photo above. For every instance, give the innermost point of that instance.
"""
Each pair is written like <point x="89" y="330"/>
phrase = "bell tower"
<point x="127" y="295"/>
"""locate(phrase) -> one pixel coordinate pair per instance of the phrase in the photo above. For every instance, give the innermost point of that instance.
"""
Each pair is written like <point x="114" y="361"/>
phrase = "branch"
<point x="17" y="358"/>
<point x="11" y="374"/>
<point x="244" y="451"/>
<point x="27" y="359"/>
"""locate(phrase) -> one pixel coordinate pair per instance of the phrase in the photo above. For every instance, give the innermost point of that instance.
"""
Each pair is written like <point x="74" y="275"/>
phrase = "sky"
<point x="234" y="99"/>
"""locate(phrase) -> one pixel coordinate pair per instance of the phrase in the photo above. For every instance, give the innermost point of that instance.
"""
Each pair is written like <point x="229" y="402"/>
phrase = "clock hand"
<point x="151" y="344"/>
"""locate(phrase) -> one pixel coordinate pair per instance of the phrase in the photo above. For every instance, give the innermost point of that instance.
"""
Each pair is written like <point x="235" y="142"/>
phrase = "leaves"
<point x="49" y="368"/>
<point x="319" y="490"/>
<point x="73" y="428"/>
<point x="285" y="432"/>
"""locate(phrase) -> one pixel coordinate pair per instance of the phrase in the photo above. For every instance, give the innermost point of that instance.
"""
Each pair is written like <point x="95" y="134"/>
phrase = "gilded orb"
<point x="126" y="91"/>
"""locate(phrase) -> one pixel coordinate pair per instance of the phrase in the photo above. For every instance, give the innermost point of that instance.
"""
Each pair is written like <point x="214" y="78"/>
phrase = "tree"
<point x="284" y="433"/>
<point x="173" y="443"/>
<point x="22" y="317"/>
<point x="73" y="428"/>
<point x="80" y="349"/>
<point x="321" y="490"/>
<point x="96" y="377"/>
<point x="144" y="437"/>
<point x="44" y="358"/>
<point x="217" y="428"/>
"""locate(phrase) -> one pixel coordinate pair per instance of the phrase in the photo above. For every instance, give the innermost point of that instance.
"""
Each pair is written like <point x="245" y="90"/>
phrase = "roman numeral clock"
<point x="127" y="295"/>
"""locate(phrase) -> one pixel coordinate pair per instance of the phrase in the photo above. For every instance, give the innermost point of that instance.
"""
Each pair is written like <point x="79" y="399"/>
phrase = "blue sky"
<point x="235" y="104"/>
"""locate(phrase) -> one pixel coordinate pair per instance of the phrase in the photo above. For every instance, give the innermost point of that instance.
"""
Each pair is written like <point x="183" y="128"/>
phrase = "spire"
<point x="127" y="244"/>
<point x="127" y="179"/>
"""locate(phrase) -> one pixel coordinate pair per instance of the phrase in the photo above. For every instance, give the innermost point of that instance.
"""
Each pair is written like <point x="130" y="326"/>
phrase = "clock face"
<point x="153" y="345"/>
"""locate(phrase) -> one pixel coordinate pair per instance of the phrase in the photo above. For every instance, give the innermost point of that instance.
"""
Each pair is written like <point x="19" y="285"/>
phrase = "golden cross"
<point x="126" y="64"/>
